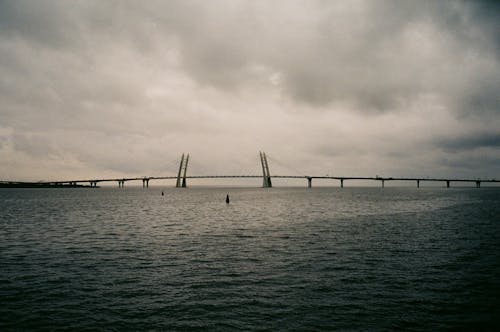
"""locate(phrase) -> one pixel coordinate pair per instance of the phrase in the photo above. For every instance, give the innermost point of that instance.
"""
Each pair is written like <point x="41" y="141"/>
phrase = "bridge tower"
<point x="181" y="182"/>
<point x="185" y="171"/>
<point x="265" y="171"/>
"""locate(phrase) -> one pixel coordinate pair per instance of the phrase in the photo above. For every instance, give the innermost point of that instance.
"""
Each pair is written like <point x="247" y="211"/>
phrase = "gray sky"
<point x="93" y="89"/>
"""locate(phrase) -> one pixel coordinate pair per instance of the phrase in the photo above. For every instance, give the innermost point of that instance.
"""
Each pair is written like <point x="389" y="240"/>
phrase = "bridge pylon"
<point x="266" y="176"/>
<point x="181" y="175"/>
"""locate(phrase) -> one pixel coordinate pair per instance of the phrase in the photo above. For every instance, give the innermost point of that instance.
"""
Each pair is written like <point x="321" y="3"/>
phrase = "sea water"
<point x="276" y="259"/>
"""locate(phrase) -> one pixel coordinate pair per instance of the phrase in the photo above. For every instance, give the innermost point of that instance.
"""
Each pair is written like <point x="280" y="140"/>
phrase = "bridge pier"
<point x="383" y="183"/>
<point x="447" y="183"/>
<point x="478" y="184"/>
<point x="309" y="182"/>
<point x="341" y="183"/>
<point x="418" y="183"/>
<point x="121" y="183"/>
<point x="145" y="183"/>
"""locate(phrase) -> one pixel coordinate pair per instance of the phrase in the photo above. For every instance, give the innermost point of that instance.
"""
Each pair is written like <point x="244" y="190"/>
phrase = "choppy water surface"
<point x="273" y="259"/>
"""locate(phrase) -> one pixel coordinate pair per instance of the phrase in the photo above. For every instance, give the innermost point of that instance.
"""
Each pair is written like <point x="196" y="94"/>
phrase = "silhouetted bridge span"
<point x="181" y="178"/>
<point x="342" y="179"/>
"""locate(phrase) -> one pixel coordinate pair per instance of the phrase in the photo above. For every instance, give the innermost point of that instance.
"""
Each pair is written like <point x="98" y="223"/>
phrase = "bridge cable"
<point x="274" y="160"/>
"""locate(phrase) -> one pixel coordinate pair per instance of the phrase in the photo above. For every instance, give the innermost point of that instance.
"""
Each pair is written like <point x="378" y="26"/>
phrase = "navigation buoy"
<point x="227" y="199"/>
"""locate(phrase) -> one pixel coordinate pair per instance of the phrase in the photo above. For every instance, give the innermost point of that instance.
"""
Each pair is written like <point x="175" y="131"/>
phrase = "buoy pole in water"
<point x="162" y="193"/>
<point x="227" y="199"/>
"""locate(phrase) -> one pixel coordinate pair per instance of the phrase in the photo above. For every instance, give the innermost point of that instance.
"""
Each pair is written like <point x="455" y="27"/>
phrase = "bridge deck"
<point x="343" y="178"/>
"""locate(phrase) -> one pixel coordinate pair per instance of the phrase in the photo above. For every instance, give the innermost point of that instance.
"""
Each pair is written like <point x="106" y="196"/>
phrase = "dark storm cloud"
<point x="480" y="140"/>
<point x="466" y="163"/>
<point x="486" y="12"/>
<point x="375" y="55"/>
<point x="44" y="22"/>
<point x="366" y="54"/>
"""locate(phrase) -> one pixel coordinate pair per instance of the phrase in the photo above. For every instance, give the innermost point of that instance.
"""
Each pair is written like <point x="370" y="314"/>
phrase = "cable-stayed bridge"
<point x="182" y="177"/>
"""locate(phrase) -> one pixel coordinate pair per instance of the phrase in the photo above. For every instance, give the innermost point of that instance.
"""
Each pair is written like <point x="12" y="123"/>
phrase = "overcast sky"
<point x="94" y="89"/>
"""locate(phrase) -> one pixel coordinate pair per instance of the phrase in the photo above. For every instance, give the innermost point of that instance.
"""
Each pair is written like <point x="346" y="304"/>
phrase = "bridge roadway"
<point x="145" y="180"/>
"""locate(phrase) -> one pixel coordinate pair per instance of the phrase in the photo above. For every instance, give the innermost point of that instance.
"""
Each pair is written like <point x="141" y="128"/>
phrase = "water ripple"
<point x="279" y="259"/>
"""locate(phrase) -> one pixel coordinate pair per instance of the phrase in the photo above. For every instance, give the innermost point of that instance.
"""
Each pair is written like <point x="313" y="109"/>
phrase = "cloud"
<point x="376" y="56"/>
<point x="359" y="85"/>
<point x="479" y="140"/>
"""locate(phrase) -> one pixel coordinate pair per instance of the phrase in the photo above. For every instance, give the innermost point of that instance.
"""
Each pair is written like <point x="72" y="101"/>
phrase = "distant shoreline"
<point x="41" y="185"/>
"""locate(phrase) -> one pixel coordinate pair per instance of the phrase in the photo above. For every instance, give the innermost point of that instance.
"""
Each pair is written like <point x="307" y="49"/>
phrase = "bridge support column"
<point x="145" y="183"/>
<point x="309" y="182"/>
<point x="447" y="183"/>
<point x="121" y="183"/>
<point x="478" y="184"/>
<point x="383" y="183"/>
<point x="418" y="183"/>
<point x="341" y="183"/>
